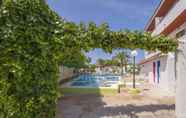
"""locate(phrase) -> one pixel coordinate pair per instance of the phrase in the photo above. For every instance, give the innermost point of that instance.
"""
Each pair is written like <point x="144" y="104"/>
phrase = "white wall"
<point x="146" y="71"/>
<point x="168" y="80"/>
<point x="181" y="78"/>
<point x="167" y="73"/>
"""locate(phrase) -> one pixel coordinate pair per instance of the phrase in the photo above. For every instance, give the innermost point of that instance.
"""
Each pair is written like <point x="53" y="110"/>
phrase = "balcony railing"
<point x="169" y="11"/>
<point x="176" y="9"/>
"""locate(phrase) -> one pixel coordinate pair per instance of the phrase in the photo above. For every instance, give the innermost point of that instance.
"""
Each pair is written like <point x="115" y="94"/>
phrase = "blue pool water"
<point x="96" y="81"/>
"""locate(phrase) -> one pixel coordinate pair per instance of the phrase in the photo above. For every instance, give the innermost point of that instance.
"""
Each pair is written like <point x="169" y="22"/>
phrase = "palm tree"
<point x="123" y="59"/>
<point x="100" y="62"/>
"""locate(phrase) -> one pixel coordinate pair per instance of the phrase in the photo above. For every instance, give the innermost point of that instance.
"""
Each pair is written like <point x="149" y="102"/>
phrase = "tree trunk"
<point x="126" y="67"/>
<point x="122" y="67"/>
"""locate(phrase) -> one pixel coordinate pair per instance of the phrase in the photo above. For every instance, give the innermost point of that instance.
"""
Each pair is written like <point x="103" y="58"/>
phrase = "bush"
<point x="28" y="64"/>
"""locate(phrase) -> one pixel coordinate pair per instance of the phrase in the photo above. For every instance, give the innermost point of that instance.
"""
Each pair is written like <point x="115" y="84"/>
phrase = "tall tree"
<point x="123" y="59"/>
<point x="100" y="62"/>
<point x="71" y="57"/>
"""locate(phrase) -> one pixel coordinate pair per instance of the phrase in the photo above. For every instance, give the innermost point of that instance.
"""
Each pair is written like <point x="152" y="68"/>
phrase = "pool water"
<point x="96" y="81"/>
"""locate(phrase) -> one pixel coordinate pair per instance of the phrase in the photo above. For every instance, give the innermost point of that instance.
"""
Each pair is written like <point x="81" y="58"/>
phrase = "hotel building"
<point x="167" y="72"/>
<point x="169" y="19"/>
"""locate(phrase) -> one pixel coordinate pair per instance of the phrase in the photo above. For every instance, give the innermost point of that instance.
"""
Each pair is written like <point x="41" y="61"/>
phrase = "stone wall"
<point x="66" y="73"/>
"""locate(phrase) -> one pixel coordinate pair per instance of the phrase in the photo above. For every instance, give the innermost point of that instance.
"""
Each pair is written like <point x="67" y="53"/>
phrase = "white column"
<point x="181" y="82"/>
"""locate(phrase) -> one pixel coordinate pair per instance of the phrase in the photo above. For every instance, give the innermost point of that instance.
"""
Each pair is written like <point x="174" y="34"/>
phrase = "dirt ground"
<point x="122" y="105"/>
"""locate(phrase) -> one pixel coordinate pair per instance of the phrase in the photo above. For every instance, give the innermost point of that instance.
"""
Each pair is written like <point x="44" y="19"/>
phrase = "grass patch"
<point x="122" y="85"/>
<point x="134" y="91"/>
<point x="97" y="91"/>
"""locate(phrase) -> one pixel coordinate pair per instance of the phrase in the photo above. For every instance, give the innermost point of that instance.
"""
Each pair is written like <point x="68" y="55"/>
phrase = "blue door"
<point x="158" y="71"/>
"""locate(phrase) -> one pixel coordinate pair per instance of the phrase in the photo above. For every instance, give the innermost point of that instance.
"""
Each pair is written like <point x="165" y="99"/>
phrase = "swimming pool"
<point x="95" y="81"/>
<point x="92" y="84"/>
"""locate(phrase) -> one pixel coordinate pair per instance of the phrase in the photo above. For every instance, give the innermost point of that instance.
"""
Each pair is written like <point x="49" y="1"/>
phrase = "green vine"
<point x="34" y="40"/>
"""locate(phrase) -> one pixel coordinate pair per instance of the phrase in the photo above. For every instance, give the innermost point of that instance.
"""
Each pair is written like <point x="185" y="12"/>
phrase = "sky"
<point x="119" y="14"/>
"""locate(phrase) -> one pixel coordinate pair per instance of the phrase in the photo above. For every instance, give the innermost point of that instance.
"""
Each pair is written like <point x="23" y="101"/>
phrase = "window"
<point x="180" y="33"/>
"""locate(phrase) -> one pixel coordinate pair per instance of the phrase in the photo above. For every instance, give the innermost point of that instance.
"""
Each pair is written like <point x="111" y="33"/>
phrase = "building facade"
<point x="168" y="71"/>
<point x="169" y="19"/>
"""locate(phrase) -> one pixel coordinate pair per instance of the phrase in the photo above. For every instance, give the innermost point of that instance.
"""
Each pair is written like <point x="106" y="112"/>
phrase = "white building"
<point x="165" y="71"/>
<point x="109" y="69"/>
<point x="168" y="19"/>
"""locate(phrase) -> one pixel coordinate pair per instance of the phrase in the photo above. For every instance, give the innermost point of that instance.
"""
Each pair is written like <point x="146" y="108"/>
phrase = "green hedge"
<point x="28" y="68"/>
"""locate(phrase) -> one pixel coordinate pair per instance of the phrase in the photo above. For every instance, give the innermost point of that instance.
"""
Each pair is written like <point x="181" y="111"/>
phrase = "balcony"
<point x="174" y="12"/>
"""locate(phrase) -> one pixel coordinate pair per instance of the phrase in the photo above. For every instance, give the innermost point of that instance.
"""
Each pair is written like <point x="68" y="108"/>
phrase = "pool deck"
<point x="96" y="91"/>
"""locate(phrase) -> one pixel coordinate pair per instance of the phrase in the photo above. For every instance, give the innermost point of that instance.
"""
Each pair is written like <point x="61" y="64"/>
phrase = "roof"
<point x="150" y="58"/>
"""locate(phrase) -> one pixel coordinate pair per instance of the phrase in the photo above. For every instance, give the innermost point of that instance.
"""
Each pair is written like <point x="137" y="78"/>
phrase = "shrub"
<point x="28" y="64"/>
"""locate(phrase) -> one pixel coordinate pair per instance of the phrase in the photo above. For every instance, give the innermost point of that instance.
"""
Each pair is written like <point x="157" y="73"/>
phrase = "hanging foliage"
<point x="34" y="39"/>
<point x="92" y="36"/>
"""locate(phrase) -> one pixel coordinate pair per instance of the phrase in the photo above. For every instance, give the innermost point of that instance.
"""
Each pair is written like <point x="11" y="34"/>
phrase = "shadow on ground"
<point x="94" y="106"/>
<point x="132" y="111"/>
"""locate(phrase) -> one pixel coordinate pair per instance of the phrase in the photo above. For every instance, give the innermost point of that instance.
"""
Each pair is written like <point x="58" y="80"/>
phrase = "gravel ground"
<point x="119" y="106"/>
